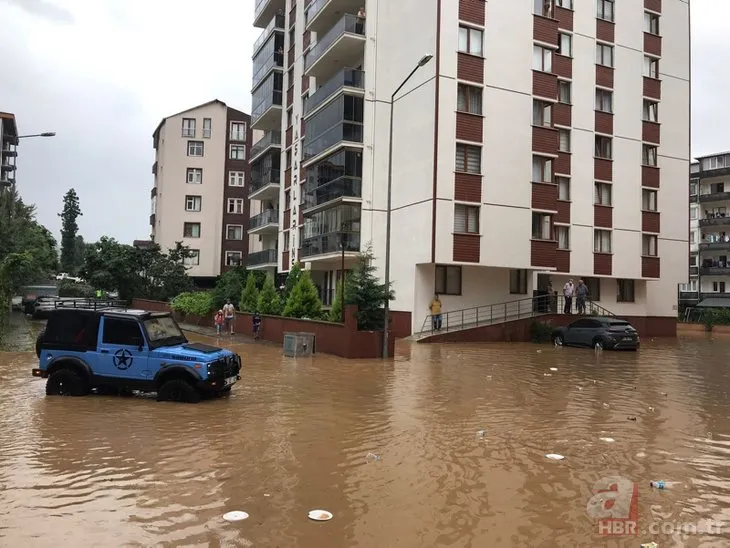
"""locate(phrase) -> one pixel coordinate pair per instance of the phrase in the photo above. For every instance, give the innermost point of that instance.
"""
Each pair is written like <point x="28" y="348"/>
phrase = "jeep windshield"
<point x="163" y="331"/>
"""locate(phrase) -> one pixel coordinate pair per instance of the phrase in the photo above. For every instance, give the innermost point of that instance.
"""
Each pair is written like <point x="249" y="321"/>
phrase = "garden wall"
<point x="331" y="338"/>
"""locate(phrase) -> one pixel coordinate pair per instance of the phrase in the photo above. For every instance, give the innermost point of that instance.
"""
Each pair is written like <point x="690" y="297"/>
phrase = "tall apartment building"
<point x="545" y="141"/>
<point x="8" y="150"/>
<point x="201" y="176"/>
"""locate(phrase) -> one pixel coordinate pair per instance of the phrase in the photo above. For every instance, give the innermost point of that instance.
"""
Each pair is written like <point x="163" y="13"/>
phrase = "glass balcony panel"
<point x="268" y="217"/>
<point x="267" y="256"/>
<point x="350" y="78"/>
<point x="344" y="187"/>
<point x="331" y="243"/>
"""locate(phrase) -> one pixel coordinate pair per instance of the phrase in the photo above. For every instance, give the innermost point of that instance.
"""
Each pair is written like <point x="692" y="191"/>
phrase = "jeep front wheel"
<point x="178" y="390"/>
<point x="66" y="382"/>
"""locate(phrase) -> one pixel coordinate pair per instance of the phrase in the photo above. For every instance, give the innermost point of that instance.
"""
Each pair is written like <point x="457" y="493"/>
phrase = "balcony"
<point x="7" y="167"/>
<point x="320" y="15"/>
<point x="264" y="223"/>
<point x="276" y="23"/>
<point x="714" y="246"/>
<point x="263" y="67"/>
<point x="715" y="197"/>
<point x="271" y="139"/>
<point x="9" y="152"/>
<point x="715" y="221"/>
<point x="342" y="46"/>
<point x="346" y="133"/>
<point x="268" y="258"/>
<point x="329" y="244"/>
<point x="714" y="271"/>
<point x="266" y="100"/>
<point x="265" y="10"/>
<point x="343" y="189"/>
<point x="265" y="186"/>
<point x="347" y="80"/>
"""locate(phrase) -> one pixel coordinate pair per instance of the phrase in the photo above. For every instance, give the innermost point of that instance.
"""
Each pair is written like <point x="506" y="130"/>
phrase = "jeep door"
<point x="122" y="349"/>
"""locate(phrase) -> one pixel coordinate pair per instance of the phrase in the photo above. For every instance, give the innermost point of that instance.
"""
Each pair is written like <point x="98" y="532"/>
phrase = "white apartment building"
<point x="546" y="140"/>
<point x="200" y="193"/>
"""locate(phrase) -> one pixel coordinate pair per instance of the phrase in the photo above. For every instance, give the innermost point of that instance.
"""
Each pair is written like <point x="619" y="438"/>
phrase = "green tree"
<point x="69" y="230"/>
<point x="291" y="280"/>
<point x="197" y="303"/>
<point x="336" y="312"/>
<point x="249" y="296"/>
<point x="79" y="252"/>
<point x="363" y="289"/>
<point x="303" y="301"/>
<point x="269" y="299"/>
<point x="229" y="286"/>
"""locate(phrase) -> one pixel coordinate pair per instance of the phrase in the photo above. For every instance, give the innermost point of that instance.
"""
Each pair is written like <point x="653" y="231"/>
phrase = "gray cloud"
<point x="44" y="9"/>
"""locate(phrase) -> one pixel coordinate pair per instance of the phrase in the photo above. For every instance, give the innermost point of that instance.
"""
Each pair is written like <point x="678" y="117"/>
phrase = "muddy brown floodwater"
<point x="295" y="435"/>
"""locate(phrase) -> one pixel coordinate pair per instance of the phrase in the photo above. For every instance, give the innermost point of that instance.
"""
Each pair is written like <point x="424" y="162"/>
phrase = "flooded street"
<point x="295" y="435"/>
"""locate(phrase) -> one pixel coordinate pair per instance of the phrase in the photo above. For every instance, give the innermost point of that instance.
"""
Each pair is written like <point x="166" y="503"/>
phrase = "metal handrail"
<point x="528" y="307"/>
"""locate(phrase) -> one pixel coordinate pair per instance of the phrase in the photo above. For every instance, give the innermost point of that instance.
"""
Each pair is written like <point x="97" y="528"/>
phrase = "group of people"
<point x="580" y="292"/>
<point x="224" y="319"/>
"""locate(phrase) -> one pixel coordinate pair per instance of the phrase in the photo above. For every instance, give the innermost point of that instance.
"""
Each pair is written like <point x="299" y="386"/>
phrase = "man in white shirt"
<point x="229" y="314"/>
<point x="568" y="291"/>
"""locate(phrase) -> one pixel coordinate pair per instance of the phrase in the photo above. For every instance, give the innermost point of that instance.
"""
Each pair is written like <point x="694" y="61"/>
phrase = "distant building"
<point x="201" y="174"/>
<point x="8" y="151"/>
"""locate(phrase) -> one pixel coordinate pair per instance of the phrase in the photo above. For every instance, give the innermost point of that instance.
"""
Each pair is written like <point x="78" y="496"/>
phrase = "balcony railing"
<point x="275" y="60"/>
<point x="267" y="256"/>
<point x="345" y="78"/>
<point x="311" y="11"/>
<point x="268" y="217"/>
<point x="268" y="177"/>
<point x="270" y="138"/>
<point x="715" y="221"/>
<point x="715" y="197"/>
<point x="714" y="271"/>
<point x="330" y="243"/>
<point x="272" y="99"/>
<point x="351" y="132"/>
<point x="714" y="246"/>
<point x="343" y="187"/>
<point x="349" y="24"/>
<point x="277" y="22"/>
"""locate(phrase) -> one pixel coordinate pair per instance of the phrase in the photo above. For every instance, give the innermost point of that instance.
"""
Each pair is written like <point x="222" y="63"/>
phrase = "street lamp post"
<point x="425" y="59"/>
<point x="8" y="184"/>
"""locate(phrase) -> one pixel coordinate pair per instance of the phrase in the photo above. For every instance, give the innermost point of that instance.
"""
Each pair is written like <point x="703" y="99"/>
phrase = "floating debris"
<point x="607" y="440"/>
<point x="372" y="457"/>
<point x="554" y="456"/>
<point x="481" y="433"/>
<point x="553" y="369"/>
<point x="320" y="515"/>
<point x="547" y="375"/>
<point x="606" y="405"/>
<point x="235" y="515"/>
<point x="649" y="544"/>
<point x="640" y="455"/>
<point x="631" y="418"/>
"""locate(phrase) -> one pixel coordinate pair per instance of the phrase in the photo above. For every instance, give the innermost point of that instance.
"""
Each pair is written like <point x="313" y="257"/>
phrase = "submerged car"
<point x="120" y="350"/>
<point x="598" y="332"/>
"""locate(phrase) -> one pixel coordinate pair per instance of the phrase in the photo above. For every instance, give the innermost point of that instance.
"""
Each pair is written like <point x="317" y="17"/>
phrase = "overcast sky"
<point x="102" y="73"/>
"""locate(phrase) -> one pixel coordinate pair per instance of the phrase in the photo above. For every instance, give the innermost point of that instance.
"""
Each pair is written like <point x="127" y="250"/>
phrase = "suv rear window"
<point x="72" y="329"/>
<point x="618" y="324"/>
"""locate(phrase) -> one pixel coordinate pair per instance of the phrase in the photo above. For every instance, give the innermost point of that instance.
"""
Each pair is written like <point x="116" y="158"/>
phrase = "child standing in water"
<point x="219" y="320"/>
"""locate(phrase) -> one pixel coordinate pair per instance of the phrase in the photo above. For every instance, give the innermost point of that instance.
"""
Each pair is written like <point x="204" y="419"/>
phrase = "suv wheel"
<point x="598" y="344"/>
<point x="38" y="340"/>
<point x="558" y="340"/>
<point x="66" y="382"/>
<point x="178" y="390"/>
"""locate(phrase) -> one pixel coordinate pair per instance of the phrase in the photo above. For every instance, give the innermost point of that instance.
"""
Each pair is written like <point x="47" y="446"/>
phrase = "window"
<point x="122" y="332"/>
<point x="236" y="178"/>
<point x="604" y="147"/>
<point x="604" y="55"/>
<point x="470" y="40"/>
<point x="565" y="93"/>
<point x="693" y="236"/>
<point x="193" y="203"/>
<point x="562" y="234"/>
<point x="544" y="8"/>
<point x="469" y="99"/>
<point x="191" y="230"/>
<point x="195" y="148"/>
<point x="542" y="225"/>
<point x="290" y="117"/>
<point x="693" y="189"/>
<point x="714" y="162"/>
<point x="565" y="44"/>
<point x="238" y="152"/>
<point x="466" y="219"/>
<point x="234" y="258"/>
<point x="542" y="169"/>
<point x="693" y="260"/>
<point x="238" y="131"/>
<point x="563" y="188"/>
<point x="602" y="241"/>
<point x="448" y="280"/>
<point x="542" y="59"/>
<point x="518" y="282"/>
<point x="193" y="258"/>
<point x="651" y="111"/>
<point x="605" y="10"/>
<point x="567" y="4"/>
<point x="468" y="158"/>
<point x="594" y="288"/>
<point x="718" y="287"/>
<point x="564" y="140"/>
<point x="649" y="245"/>
<point x="602" y="194"/>
<point x="649" y="155"/>
<point x="234" y="232"/>
<point x="651" y="23"/>
<point x="188" y="127"/>
<point x="206" y="128"/>
<point x="625" y="291"/>
<point x="604" y="100"/>
<point x="693" y="213"/>
<point x="648" y="200"/>
<point x="195" y="176"/>
<point x="542" y="113"/>
<point x="651" y="67"/>
<point x="235" y="205"/>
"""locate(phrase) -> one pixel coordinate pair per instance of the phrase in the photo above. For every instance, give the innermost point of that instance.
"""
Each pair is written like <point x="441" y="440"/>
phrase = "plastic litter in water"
<point x="320" y="515"/>
<point x="631" y="419"/>
<point x="640" y="455"/>
<point x="649" y="544"/>
<point x="607" y="440"/>
<point x="481" y="433"/>
<point x="236" y="515"/>
<point x="372" y="457"/>
<point x="554" y="456"/>
<point x="553" y="369"/>
<point x="266" y="495"/>
<point x="547" y="375"/>
<point x="606" y="405"/>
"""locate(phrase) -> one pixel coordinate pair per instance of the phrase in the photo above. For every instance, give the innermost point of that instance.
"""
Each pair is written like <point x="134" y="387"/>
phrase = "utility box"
<point x="297" y="345"/>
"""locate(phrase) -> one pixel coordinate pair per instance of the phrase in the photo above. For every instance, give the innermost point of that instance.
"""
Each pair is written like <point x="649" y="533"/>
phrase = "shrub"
<point x="229" y="286"/>
<point x="249" y="296"/>
<point x="269" y="301"/>
<point x="363" y="289"/>
<point x="336" y="314"/>
<point x="196" y="303"/>
<point x="69" y="288"/>
<point x="291" y="280"/>
<point x="303" y="301"/>
<point x="540" y="332"/>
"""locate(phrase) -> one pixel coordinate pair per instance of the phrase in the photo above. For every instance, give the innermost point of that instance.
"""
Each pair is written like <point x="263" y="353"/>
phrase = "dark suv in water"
<point x="598" y="332"/>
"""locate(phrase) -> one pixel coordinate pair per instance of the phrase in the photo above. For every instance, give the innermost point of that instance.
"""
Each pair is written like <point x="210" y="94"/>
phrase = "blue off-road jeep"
<point x="115" y="351"/>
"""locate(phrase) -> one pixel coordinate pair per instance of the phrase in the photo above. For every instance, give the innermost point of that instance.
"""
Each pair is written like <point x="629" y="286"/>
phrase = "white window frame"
<point x="193" y="259"/>
<point x="563" y="188"/>
<point x="604" y="100"/>
<point x="565" y="44"/>
<point x="598" y="150"/>
<point x="194" y="176"/>
<point x="191" y="200"/>
<point x="603" y="194"/>
<point x="542" y="169"/>
<point x="544" y="226"/>
<point x="651" y="67"/>
<point x="542" y="59"/>
<point x="234" y="227"/>
<point x="188" y="127"/>
<point x="542" y="113"/>
<point x="193" y="147"/>
<point x="651" y="23"/>
<point x="693" y="213"/>
<point x="232" y="207"/>
<point x="604" y="53"/>
<point x="565" y="86"/>
<point x="649" y="245"/>
<point x="192" y="224"/>
<point x="602" y="241"/>
<point x="649" y="199"/>
<point x="649" y="155"/>
<point x="471" y="158"/>
<point x="237" y="178"/>
<point x="207" y="128"/>
<point x="471" y="105"/>
<point x="565" y="4"/>
<point x="606" y="10"/>
<point x="562" y="235"/>
<point x="472" y="36"/>
<point x="544" y="8"/>
<point x="237" y="131"/>
<point x="470" y="214"/>
<point x="230" y="255"/>
<point x="650" y="111"/>
<point x="563" y="140"/>
<point x="240" y="154"/>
